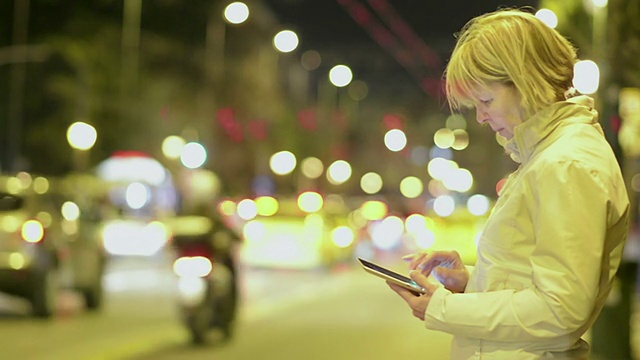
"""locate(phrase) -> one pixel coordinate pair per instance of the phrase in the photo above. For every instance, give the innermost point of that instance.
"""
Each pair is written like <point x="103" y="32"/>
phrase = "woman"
<point x="553" y="242"/>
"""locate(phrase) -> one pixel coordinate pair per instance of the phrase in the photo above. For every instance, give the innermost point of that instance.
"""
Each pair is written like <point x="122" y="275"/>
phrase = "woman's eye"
<point x="486" y="102"/>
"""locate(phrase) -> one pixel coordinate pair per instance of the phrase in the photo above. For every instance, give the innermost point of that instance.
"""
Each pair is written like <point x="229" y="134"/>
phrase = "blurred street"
<point x="285" y="314"/>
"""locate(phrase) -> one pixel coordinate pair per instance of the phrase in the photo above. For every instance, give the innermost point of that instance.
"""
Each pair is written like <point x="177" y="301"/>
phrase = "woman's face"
<point x="499" y="106"/>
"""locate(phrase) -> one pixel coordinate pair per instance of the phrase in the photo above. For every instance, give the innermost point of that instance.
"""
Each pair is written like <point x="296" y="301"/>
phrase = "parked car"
<point x="47" y="243"/>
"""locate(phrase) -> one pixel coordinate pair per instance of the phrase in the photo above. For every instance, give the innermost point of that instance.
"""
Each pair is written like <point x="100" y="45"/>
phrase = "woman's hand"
<point x="417" y="303"/>
<point x="446" y="266"/>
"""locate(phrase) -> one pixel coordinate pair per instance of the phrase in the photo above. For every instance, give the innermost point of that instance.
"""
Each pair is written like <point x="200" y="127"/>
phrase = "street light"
<point x="236" y="13"/>
<point x="81" y="137"/>
<point x="340" y="75"/>
<point x="286" y="41"/>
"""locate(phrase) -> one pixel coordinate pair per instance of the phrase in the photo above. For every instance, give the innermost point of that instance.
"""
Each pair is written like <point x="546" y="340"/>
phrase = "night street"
<point x="286" y="314"/>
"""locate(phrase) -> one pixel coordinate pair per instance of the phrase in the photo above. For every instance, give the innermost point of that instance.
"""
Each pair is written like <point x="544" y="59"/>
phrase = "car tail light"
<point x="32" y="231"/>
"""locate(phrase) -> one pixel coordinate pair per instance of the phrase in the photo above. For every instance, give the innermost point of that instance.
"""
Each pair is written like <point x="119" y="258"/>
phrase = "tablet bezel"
<point x="392" y="276"/>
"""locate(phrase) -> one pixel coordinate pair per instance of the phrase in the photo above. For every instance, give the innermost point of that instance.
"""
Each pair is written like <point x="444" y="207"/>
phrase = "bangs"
<point x="463" y="78"/>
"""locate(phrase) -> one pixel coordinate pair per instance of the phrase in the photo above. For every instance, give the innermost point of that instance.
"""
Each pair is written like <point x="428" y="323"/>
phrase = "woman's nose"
<point x="481" y="116"/>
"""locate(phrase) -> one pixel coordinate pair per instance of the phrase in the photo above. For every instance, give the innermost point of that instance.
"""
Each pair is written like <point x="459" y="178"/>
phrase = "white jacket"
<point x="550" y="248"/>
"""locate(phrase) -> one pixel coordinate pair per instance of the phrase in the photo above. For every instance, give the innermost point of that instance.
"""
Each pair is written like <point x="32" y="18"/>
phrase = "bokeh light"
<point x="460" y="139"/>
<point x="285" y="41"/>
<point x="267" y="205"/>
<point x="478" y="204"/>
<point x="193" y="155"/>
<point x="444" y="205"/>
<point x="310" y="201"/>
<point x="395" y="140"/>
<point x="342" y="236"/>
<point x="586" y="76"/>
<point x="387" y="233"/>
<point x="81" y="136"/>
<point x="374" y="210"/>
<point x="548" y="17"/>
<point x="70" y="211"/>
<point x="136" y="195"/>
<point x="411" y="187"/>
<point x="340" y="75"/>
<point x="443" y="138"/>
<point x="312" y="167"/>
<point x="172" y="146"/>
<point x="282" y="162"/>
<point x="339" y="172"/>
<point x="236" y="13"/>
<point x="247" y="209"/>
<point x="371" y="183"/>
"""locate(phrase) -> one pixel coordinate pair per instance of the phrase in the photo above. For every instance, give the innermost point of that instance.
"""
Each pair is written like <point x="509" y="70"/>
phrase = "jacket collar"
<point x="532" y="131"/>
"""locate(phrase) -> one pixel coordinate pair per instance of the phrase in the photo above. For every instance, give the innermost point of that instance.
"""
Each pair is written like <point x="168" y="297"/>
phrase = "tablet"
<point x="392" y="276"/>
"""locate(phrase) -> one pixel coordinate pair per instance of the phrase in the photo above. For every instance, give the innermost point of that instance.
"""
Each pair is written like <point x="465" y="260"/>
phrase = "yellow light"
<point x="374" y="210"/>
<point x="172" y="146"/>
<point x="411" y="187"/>
<point x="443" y="138"/>
<point x="40" y="185"/>
<point x="310" y="201"/>
<point x="456" y="121"/>
<point x="44" y="218"/>
<point x="312" y="167"/>
<point x="461" y="139"/>
<point x="16" y="261"/>
<point x="10" y="223"/>
<point x="371" y="183"/>
<point x="267" y="205"/>
<point x="25" y="179"/>
<point x="600" y="3"/>
<point x="14" y="185"/>
<point x="32" y="231"/>
<point x="227" y="207"/>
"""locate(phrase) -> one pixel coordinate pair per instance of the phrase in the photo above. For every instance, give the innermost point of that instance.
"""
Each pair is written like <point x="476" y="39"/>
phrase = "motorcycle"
<point x="207" y="279"/>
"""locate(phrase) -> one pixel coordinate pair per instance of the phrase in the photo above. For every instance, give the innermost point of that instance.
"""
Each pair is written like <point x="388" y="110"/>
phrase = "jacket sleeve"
<point x="569" y="205"/>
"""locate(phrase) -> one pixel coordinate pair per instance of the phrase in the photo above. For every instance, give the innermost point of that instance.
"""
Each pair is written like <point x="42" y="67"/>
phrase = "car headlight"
<point x="192" y="266"/>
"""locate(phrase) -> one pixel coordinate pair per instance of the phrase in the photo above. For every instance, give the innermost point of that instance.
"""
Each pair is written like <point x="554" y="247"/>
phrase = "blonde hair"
<point x="513" y="47"/>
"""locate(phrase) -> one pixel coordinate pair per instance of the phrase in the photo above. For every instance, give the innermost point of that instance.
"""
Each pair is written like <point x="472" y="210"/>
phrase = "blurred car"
<point x="293" y="238"/>
<point x="134" y="237"/>
<point x="47" y="243"/>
